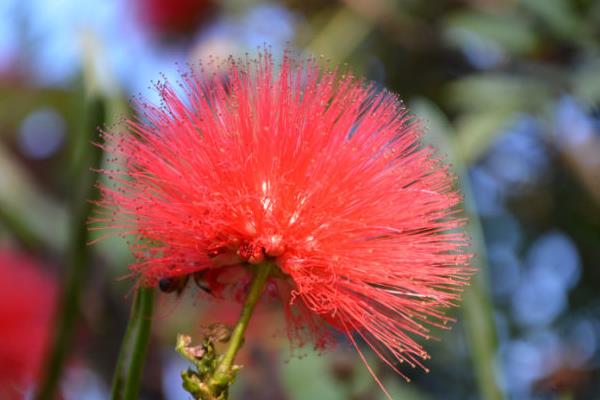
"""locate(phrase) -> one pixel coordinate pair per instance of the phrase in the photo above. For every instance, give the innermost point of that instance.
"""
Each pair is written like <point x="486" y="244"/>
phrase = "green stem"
<point x="140" y="343"/>
<point x="78" y="258"/>
<point x="117" y="383"/>
<point x="224" y="374"/>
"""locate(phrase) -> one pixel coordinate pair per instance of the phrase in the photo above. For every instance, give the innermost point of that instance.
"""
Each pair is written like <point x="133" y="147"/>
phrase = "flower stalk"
<point x="215" y="374"/>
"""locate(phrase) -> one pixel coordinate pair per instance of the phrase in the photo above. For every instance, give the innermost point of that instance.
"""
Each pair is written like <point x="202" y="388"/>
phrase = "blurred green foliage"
<point x="471" y="69"/>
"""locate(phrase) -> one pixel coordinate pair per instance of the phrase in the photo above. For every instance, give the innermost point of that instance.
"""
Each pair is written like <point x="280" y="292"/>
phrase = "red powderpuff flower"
<point x="317" y="172"/>
<point x="26" y="310"/>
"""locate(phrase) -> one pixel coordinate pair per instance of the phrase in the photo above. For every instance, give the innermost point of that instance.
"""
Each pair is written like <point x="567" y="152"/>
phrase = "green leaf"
<point x="559" y="16"/>
<point x="511" y="32"/>
<point x="477" y="131"/>
<point x="342" y="34"/>
<point x="585" y="81"/>
<point x="493" y="91"/>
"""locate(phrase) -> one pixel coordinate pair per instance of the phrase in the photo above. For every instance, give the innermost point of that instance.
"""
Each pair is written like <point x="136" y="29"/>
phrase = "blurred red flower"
<point x="172" y="16"/>
<point x="318" y="172"/>
<point x="27" y="307"/>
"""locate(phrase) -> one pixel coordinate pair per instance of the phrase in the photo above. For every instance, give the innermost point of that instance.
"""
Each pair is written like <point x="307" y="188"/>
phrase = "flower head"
<point x="316" y="172"/>
<point x="26" y="311"/>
